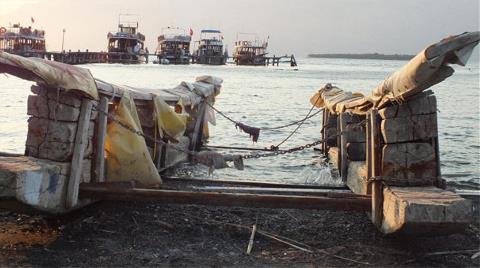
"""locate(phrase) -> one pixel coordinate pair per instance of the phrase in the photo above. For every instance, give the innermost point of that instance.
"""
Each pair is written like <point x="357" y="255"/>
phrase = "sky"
<point x="293" y="26"/>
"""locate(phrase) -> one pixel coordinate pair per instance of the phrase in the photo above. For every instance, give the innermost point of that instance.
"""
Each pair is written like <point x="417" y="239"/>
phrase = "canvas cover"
<point x="53" y="74"/>
<point x="426" y="69"/>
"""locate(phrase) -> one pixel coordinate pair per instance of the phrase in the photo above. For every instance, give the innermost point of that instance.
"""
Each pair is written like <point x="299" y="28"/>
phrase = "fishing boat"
<point x="23" y="41"/>
<point x="210" y="48"/>
<point x="174" y="46"/>
<point x="127" y="44"/>
<point x="250" y="52"/>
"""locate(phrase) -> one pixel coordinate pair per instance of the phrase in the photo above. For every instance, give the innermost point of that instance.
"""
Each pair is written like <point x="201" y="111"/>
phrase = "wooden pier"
<point x="284" y="59"/>
<point x="77" y="57"/>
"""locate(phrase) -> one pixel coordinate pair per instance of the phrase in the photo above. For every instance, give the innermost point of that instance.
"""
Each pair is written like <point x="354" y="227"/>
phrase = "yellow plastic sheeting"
<point x="169" y="122"/>
<point x="54" y="74"/>
<point x="127" y="154"/>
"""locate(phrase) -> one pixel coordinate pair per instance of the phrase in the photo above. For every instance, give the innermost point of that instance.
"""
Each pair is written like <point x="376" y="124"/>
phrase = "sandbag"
<point x="127" y="153"/>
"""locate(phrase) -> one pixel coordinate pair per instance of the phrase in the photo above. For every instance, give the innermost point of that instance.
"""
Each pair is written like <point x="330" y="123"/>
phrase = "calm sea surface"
<point x="272" y="96"/>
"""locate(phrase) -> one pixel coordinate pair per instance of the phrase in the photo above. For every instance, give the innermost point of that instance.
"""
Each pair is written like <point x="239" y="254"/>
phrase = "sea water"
<point x="273" y="96"/>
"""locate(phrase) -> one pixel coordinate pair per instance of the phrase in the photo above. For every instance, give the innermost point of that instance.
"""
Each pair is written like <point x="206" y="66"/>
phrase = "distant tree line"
<point x="368" y="56"/>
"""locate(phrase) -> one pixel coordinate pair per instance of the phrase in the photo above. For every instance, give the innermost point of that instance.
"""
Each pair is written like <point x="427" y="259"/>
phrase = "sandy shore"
<point x="121" y="234"/>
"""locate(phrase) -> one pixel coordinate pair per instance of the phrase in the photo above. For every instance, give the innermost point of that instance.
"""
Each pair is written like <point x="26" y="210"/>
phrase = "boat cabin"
<point x="250" y="52"/>
<point x="210" y="48"/>
<point x="23" y="41"/>
<point x="127" y="44"/>
<point x="173" y="46"/>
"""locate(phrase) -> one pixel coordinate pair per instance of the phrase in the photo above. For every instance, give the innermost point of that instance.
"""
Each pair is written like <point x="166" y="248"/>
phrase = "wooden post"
<point x="368" y="147"/>
<point x="343" y="147"/>
<point x="377" y="186"/>
<point x="101" y="133"/>
<point x="197" y="132"/>
<point x="324" y="143"/>
<point x="78" y="152"/>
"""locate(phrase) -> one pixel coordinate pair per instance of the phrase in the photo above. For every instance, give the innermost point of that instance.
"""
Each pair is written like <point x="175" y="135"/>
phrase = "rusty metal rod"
<point x="224" y="199"/>
<point x="250" y="183"/>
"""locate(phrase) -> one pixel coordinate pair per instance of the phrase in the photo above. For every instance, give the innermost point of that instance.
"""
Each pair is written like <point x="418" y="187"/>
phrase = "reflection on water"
<point x="267" y="97"/>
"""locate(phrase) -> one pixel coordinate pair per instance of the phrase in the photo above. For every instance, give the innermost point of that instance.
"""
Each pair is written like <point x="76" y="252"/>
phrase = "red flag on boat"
<point x="32" y="19"/>
<point x="191" y="32"/>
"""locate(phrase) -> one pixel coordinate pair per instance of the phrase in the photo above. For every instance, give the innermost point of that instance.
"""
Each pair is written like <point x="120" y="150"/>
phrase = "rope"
<point x="308" y="116"/>
<point x="295" y="130"/>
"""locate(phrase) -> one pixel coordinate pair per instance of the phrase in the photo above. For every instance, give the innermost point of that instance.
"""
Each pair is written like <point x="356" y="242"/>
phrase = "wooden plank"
<point x="101" y="134"/>
<point x="343" y="147"/>
<point x="226" y="199"/>
<point x="377" y="186"/>
<point x="78" y="152"/>
<point x="197" y="132"/>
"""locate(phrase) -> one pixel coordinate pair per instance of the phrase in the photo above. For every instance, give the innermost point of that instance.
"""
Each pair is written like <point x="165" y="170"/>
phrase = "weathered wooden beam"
<point x="101" y="134"/>
<point x="226" y="199"/>
<point x="322" y="131"/>
<point x="343" y="167"/>
<point x="78" y="152"/>
<point x="368" y="148"/>
<point x="198" y="130"/>
<point x="377" y="185"/>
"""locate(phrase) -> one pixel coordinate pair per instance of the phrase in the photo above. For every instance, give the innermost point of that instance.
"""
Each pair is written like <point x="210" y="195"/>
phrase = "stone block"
<point x="420" y="105"/>
<point x="39" y="106"/>
<point x="406" y="161"/>
<point x="407" y="129"/>
<point x="331" y="136"/>
<point x="355" y="133"/>
<point x="356" y="151"/>
<point x="357" y="177"/>
<point x="67" y="98"/>
<point x="59" y="103"/>
<point x="424" y="210"/>
<point x="57" y="151"/>
<point x="54" y="140"/>
<point x="333" y="156"/>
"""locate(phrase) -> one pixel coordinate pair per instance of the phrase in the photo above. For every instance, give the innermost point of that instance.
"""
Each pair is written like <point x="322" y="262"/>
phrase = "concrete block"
<point x="424" y="210"/>
<point x="37" y="182"/>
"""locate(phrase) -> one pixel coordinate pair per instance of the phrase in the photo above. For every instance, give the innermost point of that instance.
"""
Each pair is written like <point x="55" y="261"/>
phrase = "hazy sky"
<point x="300" y="26"/>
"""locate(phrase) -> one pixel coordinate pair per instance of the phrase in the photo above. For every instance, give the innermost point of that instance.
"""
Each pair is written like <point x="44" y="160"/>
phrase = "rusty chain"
<point x="247" y="156"/>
